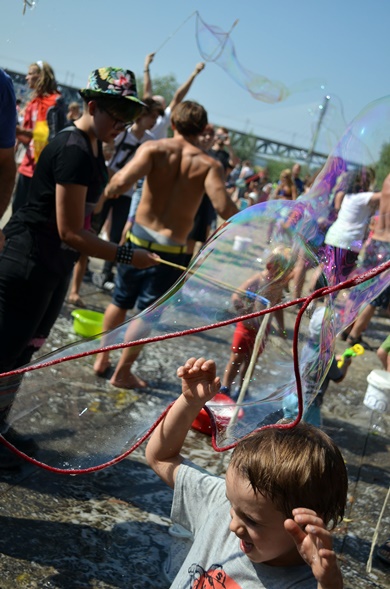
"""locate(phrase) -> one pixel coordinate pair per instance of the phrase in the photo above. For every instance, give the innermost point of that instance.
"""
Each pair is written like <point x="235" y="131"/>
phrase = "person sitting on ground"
<point x="160" y="129"/>
<point x="267" y="285"/>
<point x="178" y="172"/>
<point x="266" y="524"/>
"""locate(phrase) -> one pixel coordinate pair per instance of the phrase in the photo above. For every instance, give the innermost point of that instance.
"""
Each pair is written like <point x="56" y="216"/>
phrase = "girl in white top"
<point x="348" y="232"/>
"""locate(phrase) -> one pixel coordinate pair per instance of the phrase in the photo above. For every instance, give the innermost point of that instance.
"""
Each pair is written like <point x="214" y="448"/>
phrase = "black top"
<point x="222" y="156"/>
<point x="68" y="159"/>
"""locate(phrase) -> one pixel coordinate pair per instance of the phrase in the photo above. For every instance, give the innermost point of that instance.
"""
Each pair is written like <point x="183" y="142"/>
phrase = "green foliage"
<point x="244" y="146"/>
<point x="162" y="85"/>
<point x="382" y="168"/>
<point x="275" y="167"/>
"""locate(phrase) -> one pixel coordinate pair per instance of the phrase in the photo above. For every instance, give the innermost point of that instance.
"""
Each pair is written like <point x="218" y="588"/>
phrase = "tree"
<point x="244" y="146"/>
<point x="382" y="168"/>
<point x="162" y="85"/>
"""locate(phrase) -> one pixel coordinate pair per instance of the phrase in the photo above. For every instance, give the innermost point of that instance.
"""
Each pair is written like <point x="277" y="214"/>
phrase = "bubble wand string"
<point x="215" y="281"/>
<point x="174" y="32"/>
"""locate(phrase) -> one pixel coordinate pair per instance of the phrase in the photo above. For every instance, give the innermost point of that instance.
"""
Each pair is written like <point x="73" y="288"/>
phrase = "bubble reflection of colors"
<point x="80" y="423"/>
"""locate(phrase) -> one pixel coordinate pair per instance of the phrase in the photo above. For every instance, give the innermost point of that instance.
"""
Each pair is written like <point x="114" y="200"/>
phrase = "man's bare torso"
<point x="174" y="187"/>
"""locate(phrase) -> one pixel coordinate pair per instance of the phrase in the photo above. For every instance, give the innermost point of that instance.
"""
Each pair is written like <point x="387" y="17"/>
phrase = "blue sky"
<point x="340" y="44"/>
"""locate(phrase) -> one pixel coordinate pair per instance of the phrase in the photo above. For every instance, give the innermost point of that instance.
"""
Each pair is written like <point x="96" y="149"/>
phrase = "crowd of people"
<point x="106" y="164"/>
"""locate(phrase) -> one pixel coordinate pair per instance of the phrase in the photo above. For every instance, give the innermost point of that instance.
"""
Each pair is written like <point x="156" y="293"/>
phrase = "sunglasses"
<point x="119" y="125"/>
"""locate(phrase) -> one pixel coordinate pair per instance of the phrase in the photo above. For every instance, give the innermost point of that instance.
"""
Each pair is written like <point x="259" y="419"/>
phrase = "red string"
<point x="327" y="290"/>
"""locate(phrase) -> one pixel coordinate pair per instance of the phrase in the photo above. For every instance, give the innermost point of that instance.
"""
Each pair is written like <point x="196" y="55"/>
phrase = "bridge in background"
<point x="268" y="148"/>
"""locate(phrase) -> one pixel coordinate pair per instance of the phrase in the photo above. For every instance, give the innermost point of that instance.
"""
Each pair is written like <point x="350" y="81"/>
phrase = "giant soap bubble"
<point x="216" y="45"/>
<point x="81" y="423"/>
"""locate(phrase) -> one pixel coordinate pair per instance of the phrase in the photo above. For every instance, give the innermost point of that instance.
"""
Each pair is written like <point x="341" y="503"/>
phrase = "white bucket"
<point x="241" y="244"/>
<point x="377" y="396"/>
<point x="181" y="543"/>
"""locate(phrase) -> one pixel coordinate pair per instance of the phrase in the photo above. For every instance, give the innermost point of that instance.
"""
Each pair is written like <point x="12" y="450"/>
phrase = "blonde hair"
<point x="46" y="83"/>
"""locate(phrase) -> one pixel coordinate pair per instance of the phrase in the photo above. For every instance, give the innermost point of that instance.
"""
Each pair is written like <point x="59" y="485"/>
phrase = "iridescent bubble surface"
<point x="216" y="45"/>
<point x="81" y="422"/>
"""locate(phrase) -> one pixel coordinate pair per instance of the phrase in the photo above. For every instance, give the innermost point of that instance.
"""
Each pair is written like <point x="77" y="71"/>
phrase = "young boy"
<point x="265" y="525"/>
<point x="267" y="285"/>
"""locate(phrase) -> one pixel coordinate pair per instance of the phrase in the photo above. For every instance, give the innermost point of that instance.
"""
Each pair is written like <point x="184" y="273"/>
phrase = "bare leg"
<point x="361" y="323"/>
<point x="384" y="357"/>
<point x="299" y="276"/>
<point x="77" y="278"/>
<point x="123" y="377"/>
<point x="233" y="369"/>
<point x="113" y="317"/>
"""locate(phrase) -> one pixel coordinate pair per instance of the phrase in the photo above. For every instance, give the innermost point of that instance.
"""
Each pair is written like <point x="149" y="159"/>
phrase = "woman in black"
<point x="45" y="237"/>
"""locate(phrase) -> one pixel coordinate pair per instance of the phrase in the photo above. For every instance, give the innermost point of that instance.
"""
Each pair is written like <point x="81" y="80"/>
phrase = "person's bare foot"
<point x="128" y="381"/>
<point x="76" y="300"/>
<point x="101" y="367"/>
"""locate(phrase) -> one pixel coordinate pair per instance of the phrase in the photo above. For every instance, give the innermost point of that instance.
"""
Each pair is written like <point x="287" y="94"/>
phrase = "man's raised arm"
<point x="147" y="91"/>
<point x="184" y="88"/>
<point x="216" y="191"/>
<point x="137" y="168"/>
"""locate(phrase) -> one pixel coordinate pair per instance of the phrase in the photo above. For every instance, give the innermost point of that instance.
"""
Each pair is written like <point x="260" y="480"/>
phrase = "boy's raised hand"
<point x="314" y="544"/>
<point x="199" y="380"/>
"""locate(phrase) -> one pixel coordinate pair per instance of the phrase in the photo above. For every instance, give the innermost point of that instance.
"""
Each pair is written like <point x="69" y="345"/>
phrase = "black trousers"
<point x="31" y="297"/>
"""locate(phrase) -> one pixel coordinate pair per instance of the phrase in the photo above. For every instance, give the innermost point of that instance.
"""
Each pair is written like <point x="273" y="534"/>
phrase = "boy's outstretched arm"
<point x="199" y="385"/>
<point x="314" y="544"/>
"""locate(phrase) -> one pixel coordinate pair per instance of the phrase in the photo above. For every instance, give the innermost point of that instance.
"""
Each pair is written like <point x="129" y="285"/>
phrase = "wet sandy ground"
<point x="110" y="529"/>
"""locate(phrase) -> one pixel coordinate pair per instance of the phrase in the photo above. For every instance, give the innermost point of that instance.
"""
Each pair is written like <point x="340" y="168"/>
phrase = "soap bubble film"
<point x="80" y="422"/>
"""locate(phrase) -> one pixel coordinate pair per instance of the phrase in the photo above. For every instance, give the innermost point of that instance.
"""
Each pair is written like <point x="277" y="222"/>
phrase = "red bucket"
<point x="202" y="423"/>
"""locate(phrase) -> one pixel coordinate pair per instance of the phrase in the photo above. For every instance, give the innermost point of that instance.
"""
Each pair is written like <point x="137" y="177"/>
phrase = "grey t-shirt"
<point x="215" y="559"/>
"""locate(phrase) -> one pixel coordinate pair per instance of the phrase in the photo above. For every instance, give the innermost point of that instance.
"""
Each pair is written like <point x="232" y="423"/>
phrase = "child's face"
<point x="258" y="525"/>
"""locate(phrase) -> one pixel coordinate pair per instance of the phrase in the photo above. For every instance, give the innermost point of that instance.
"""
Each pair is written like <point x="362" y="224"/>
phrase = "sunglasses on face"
<point x="118" y="125"/>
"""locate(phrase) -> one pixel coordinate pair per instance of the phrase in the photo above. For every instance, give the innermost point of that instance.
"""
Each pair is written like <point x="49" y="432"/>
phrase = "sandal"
<point x="351" y="341"/>
<point x="383" y="552"/>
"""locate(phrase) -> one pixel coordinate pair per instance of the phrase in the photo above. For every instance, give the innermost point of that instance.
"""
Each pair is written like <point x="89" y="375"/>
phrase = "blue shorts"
<point x="141" y="288"/>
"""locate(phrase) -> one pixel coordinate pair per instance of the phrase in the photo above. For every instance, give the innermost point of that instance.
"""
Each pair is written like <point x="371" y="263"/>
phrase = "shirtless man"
<point x="177" y="173"/>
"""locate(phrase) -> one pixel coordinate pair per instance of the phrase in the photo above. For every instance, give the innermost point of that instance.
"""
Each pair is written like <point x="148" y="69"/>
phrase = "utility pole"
<point x="323" y="108"/>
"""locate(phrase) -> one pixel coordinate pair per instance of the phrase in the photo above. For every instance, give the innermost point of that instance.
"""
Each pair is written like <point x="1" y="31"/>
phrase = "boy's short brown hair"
<point x="297" y="467"/>
<point x="189" y="118"/>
